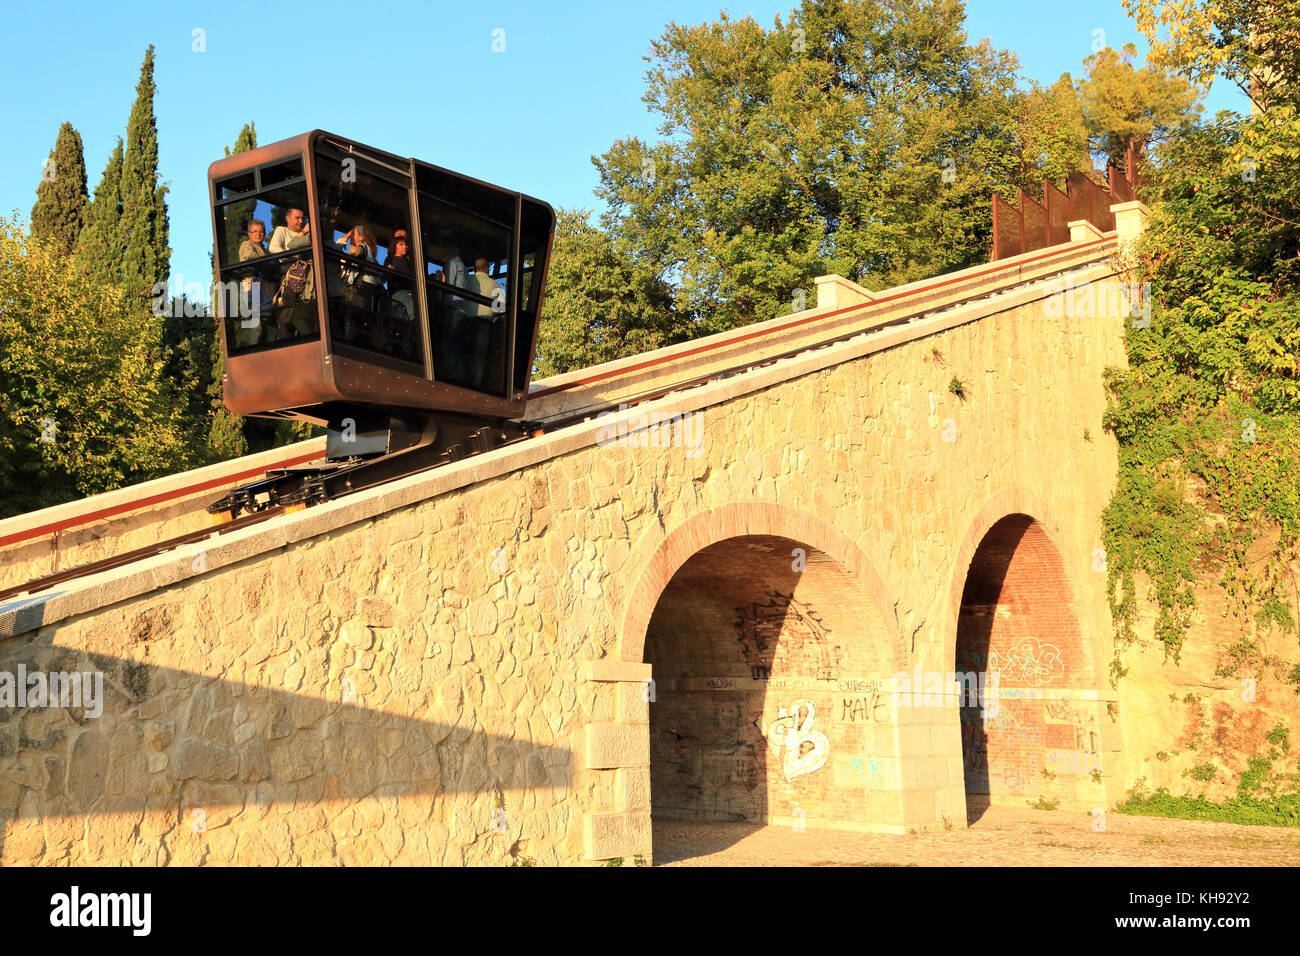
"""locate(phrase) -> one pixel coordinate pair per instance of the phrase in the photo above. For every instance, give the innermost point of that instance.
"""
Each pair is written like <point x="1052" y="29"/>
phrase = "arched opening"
<point x="1036" y="737"/>
<point x="771" y="670"/>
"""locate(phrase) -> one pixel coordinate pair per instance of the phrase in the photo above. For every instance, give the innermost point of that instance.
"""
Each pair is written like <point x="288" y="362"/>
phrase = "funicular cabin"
<point x="391" y="300"/>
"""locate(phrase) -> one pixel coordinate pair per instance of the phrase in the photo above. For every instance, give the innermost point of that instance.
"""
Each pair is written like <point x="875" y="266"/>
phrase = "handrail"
<point x="188" y="490"/>
<point x="1005" y="265"/>
<point x="135" y="504"/>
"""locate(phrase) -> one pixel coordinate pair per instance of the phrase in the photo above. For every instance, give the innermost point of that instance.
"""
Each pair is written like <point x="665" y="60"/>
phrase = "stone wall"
<point x="439" y="673"/>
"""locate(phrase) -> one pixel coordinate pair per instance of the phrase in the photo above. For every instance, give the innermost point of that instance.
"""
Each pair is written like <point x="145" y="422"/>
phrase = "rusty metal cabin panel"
<point x="1007" y="235"/>
<point x="1033" y="219"/>
<point x="1057" y="205"/>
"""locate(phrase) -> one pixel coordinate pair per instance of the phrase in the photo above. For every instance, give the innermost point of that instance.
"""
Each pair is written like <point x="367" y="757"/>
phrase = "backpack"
<point x="293" y="283"/>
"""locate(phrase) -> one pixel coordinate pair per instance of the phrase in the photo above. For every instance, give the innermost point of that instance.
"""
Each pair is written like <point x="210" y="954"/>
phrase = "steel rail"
<point x="561" y="420"/>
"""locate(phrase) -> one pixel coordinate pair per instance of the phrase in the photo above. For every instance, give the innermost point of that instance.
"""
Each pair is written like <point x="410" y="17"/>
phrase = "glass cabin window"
<point x="268" y="288"/>
<point x="536" y="221"/>
<point x="467" y="266"/>
<point x="369" y="260"/>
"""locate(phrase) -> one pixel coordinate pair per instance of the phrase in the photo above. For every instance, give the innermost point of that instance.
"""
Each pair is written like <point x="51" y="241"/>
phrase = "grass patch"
<point x="1282" y="811"/>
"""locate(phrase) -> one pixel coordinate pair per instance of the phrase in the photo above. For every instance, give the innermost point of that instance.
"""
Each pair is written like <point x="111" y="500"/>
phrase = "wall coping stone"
<point x="87" y="594"/>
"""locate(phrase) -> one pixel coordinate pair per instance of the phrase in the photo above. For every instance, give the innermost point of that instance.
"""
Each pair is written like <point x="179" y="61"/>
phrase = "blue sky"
<point x="414" y="77"/>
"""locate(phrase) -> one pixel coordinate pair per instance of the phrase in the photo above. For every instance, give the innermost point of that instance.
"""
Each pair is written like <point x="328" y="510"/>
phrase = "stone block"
<point x="616" y="745"/>
<point x="610" y="835"/>
<point x="633" y="788"/>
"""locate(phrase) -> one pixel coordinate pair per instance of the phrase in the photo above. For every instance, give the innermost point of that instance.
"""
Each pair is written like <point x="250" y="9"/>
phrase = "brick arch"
<point x="658" y="557"/>
<point x="1015" y="612"/>
<point x="1004" y="504"/>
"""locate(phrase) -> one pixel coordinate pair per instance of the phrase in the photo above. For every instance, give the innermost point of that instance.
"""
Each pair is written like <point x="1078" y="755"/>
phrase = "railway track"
<point x="393" y="467"/>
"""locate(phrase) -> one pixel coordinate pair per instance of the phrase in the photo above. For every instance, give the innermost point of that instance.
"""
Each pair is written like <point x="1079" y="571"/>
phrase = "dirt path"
<point x="1001" y="837"/>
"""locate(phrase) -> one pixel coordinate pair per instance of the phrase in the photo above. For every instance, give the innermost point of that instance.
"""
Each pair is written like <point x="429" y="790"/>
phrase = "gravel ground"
<point x="1002" y="836"/>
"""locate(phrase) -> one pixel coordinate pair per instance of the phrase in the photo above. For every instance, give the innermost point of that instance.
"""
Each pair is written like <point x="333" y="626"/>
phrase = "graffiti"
<point x="791" y="736"/>
<point x="972" y="660"/>
<point x="863" y="709"/>
<point x="1061" y="710"/>
<point x="867" y="686"/>
<point x="877" y="772"/>
<point x="1029" y="662"/>
<point x="1071" y="761"/>
<point x="1074" y="728"/>
<point x="1004" y="720"/>
<point x="786" y="635"/>
<point x="1010" y="780"/>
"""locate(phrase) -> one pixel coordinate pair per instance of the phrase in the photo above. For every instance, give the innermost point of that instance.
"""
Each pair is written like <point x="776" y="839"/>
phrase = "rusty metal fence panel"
<point x="1007" y="239"/>
<point x="1033" y="224"/>
<point x="1057" y="205"/>
<point x="1089" y="201"/>
<point x="1040" y="225"/>
<point x="1121" y="190"/>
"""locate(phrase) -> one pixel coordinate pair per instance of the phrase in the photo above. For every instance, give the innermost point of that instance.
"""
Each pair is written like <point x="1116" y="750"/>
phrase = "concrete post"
<point x="1130" y="222"/>
<point x="1081" y="230"/>
<point x="837" y="292"/>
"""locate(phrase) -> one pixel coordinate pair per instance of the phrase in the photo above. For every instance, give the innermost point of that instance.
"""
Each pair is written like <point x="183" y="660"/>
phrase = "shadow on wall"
<point x="183" y="768"/>
<point x="979" y="608"/>
<point x="753" y="645"/>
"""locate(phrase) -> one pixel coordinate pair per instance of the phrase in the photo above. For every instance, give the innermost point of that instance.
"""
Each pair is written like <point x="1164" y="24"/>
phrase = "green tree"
<point x="1252" y="43"/>
<point x="226" y="433"/>
<point x="82" y="405"/>
<point x="1126" y="106"/>
<point x="599" y="306"/>
<point x="858" y="138"/>
<point x="101" y="243"/>
<point x="1053" y="130"/>
<point x="61" y="199"/>
<point x="145" y="256"/>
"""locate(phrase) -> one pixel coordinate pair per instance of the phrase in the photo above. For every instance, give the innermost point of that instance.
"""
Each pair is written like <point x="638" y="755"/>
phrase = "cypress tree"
<point x="227" y="436"/>
<point x="60" y="211"/>
<point x="145" y="257"/>
<point x="101" y="243"/>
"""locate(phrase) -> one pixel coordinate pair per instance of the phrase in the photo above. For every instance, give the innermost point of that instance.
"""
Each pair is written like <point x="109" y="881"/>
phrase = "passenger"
<point x="399" y="260"/>
<point x="401" y="291"/>
<point x="454" y="274"/>
<point x="295" y="232"/>
<point x="455" y="310"/>
<point x="490" y="288"/>
<point x="487" y="319"/>
<point x="252" y="248"/>
<point x="365" y="245"/>
<point x="399" y="263"/>
<point x="259" y="299"/>
<point x="297" y="287"/>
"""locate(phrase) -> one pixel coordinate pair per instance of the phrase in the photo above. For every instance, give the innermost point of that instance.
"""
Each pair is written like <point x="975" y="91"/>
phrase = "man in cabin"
<point x="487" y="318"/>
<point x="295" y="232"/>
<point x="258" y="297"/>
<point x="297" y="287"/>
<point x="457" y="308"/>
